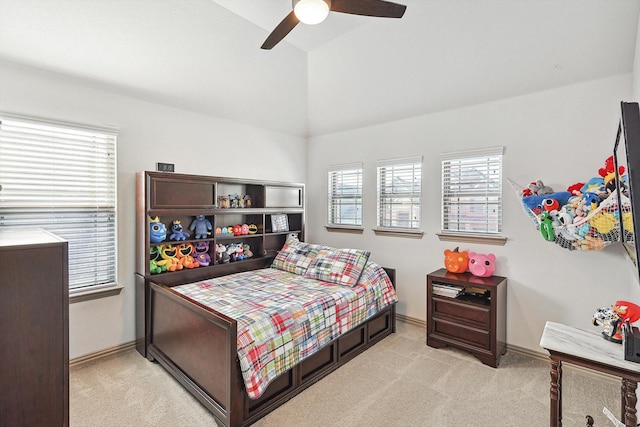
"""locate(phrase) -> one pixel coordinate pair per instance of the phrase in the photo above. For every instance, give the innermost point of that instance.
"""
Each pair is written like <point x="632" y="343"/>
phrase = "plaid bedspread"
<point x="284" y="317"/>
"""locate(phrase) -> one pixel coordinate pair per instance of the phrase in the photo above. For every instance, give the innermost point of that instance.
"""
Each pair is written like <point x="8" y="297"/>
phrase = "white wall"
<point x="149" y="133"/>
<point x="561" y="136"/>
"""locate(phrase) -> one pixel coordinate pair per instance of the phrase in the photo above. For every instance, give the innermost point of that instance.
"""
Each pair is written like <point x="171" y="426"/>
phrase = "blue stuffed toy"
<point x="178" y="232"/>
<point x="157" y="230"/>
<point x="202" y="226"/>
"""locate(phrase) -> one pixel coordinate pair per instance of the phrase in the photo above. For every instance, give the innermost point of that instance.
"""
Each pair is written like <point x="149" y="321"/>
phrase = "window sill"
<point x="92" y="294"/>
<point x="344" y="229"/>
<point x="472" y="238"/>
<point x="398" y="232"/>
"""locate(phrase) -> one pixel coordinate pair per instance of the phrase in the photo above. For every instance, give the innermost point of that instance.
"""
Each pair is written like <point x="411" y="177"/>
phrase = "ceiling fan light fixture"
<point x="311" y="11"/>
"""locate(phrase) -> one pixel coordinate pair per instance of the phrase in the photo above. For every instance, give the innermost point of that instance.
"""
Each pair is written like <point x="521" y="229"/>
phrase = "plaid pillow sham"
<point x="295" y="256"/>
<point x="339" y="266"/>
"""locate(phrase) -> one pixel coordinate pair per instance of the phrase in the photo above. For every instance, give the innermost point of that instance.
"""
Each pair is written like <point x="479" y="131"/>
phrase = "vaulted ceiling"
<point x="348" y="72"/>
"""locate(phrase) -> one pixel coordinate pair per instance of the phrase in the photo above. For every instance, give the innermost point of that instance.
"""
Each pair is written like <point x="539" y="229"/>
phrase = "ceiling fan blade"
<point x="283" y="28"/>
<point x="380" y="8"/>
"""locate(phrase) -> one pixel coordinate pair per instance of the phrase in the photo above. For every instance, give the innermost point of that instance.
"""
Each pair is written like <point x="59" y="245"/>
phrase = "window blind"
<point x="62" y="178"/>
<point x="472" y="191"/>
<point x="345" y="194"/>
<point x="399" y="193"/>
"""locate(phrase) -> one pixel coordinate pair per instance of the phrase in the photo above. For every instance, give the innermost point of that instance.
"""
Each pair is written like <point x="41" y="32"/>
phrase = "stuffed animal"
<point x="157" y="230"/>
<point x="546" y="226"/>
<point x="184" y="253"/>
<point x="201" y="253"/>
<point x="202" y="226"/>
<point x="221" y="253"/>
<point x="576" y="188"/>
<point x="539" y="189"/>
<point x="168" y="253"/>
<point x="247" y="250"/>
<point x="177" y="231"/>
<point x="155" y="268"/>
<point x="455" y="261"/>
<point x="156" y="264"/>
<point x="482" y="265"/>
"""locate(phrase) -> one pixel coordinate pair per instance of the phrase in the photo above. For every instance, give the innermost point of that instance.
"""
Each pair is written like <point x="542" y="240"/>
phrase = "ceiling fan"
<point x="315" y="11"/>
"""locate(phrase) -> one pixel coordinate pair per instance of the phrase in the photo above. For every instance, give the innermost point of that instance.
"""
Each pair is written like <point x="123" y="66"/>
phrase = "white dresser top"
<point x="26" y="237"/>
<point x="588" y="345"/>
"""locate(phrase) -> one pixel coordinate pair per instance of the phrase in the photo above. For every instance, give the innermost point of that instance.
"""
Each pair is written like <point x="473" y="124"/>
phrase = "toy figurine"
<point x="253" y="229"/>
<point x="613" y="318"/>
<point x="157" y="230"/>
<point x="482" y="265"/>
<point x="237" y="230"/>
<point x="244" y="229"/>
<point x="456" y="262"/>
<point x="233" y="200"/>
<point x="202" y="226"/>
<point x="177" y="231"/>
<point x="223" y="201"/>
<point x="247" y="201"/>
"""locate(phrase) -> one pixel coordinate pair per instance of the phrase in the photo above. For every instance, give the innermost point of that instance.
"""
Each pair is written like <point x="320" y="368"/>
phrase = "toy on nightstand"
<point x="482" y="265"/>
<point x="178" y="232"/>
<point x="455" y="261"/>
<point x="202" y="226"/>
<point x="157" y="230"/>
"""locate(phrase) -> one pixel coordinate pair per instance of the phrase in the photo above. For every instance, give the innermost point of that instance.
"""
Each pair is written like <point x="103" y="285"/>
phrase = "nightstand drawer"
<point x="463" y="311"/>
<point x="472" y="336"/>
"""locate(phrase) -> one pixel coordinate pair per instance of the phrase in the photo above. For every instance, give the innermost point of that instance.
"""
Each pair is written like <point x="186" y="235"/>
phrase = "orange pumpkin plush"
<point x="455" y="261"/>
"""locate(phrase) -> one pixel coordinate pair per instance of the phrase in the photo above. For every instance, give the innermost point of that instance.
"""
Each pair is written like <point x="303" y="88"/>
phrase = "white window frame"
<point x="463" y="194"/>
<point x="344" y="190"/>
<point x="399" y="190"/>
<point x="61" y="177"/>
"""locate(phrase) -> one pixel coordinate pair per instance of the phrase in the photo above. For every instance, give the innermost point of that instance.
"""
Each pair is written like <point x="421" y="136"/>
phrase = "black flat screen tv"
<point x="626" y="153"/>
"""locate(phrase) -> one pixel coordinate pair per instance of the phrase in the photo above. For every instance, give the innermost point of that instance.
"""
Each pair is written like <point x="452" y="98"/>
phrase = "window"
<point x="472" y="191"/>
<point x="345" y="195"/>
<point x="399" y="193"/>
<point x="62" y="178"/>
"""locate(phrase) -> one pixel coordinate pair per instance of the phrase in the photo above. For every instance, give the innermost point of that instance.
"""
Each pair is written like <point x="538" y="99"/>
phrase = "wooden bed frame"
<point x="197" y="346"/>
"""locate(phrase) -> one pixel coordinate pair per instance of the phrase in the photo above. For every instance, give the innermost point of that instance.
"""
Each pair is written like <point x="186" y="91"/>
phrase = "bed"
<point x="211" y="335"/>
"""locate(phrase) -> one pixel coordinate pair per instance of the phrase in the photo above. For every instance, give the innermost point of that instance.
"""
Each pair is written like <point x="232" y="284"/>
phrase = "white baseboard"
<point x="539" y="355"/>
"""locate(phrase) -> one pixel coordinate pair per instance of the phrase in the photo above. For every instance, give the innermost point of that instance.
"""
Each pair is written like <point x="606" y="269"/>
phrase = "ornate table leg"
<point x="630" y="400"/>
<point x="556" y="394"/>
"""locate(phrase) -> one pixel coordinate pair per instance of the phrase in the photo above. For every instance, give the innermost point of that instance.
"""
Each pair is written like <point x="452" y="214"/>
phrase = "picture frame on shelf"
<point x="279" y="223"/>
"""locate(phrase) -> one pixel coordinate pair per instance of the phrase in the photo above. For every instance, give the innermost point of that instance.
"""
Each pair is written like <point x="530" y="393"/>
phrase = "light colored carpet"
<point x="398" y="382"/>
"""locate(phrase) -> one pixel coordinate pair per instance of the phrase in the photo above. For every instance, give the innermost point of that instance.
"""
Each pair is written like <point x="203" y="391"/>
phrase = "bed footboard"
<point x="198" y="347"/>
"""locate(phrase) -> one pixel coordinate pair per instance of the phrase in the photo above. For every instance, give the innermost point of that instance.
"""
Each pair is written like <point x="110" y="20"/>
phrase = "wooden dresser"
<point x="34" y="329"/>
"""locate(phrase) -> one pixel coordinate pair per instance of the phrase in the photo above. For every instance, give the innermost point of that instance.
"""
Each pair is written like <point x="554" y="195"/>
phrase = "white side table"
<point x="589" y="350"/>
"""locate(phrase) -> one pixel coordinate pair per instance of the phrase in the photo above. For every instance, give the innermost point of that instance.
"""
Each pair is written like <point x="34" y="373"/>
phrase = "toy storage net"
<point x="593" y="231"/>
